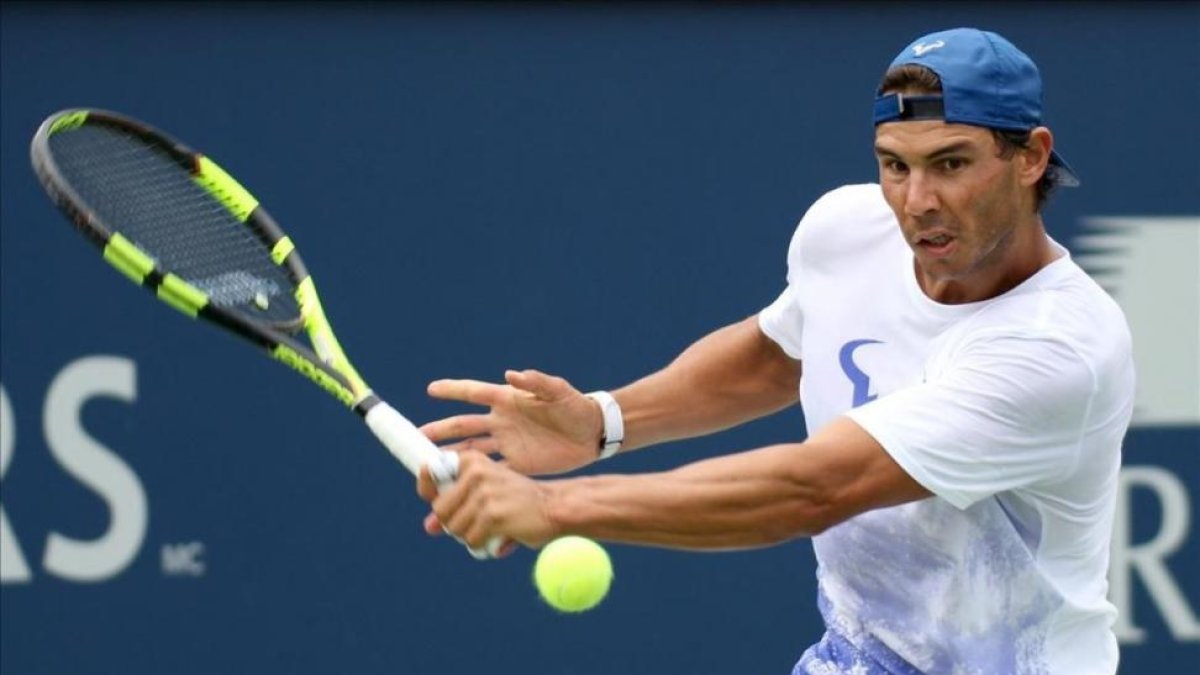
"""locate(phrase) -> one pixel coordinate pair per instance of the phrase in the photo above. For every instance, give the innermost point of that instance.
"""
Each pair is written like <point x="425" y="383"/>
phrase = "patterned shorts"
<point x="835" y="655"/>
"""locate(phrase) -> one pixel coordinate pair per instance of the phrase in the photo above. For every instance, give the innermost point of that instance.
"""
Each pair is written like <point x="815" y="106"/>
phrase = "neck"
<point x="1015" y="258"/>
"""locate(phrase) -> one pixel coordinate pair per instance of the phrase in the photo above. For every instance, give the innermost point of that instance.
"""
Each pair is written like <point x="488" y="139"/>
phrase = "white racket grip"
<point x="401" y="437"/>
<point x="414" y="450"/>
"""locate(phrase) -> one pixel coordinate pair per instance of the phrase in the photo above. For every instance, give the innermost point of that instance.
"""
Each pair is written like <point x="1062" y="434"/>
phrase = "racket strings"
<point x="141" y="191"/>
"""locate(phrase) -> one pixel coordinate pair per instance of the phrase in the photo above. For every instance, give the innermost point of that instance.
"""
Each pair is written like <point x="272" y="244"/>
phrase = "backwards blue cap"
<point x="986" y="82"/>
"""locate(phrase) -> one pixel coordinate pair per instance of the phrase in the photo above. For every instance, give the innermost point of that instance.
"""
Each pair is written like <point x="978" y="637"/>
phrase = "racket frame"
<point x="325" y="364"/>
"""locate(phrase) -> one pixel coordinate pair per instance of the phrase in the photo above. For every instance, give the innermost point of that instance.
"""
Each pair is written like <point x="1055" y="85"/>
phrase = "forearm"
<point x="730" y="376"/>
<point x="743" y="500"/>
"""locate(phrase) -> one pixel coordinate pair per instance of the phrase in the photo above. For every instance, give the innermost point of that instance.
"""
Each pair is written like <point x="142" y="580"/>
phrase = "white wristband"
<point x="614" y="423"/>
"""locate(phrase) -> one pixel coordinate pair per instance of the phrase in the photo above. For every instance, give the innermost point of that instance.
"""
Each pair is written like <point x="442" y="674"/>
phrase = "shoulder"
<point x="845" y="219"/>
<point x="1063" y="322"/>
<point x="847" y="204"/>
<point x="1064" y="302"/>
<point x="848" y="200"/>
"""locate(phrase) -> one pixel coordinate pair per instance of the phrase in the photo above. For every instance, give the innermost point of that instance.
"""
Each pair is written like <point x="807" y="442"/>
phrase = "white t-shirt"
<point x="1011" y="411"/>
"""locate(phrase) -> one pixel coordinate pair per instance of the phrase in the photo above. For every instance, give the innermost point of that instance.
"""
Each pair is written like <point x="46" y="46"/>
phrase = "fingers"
<point x="459" y="426"/>
<point x="449" y="503"/>
<point x="474" y="509"/>
<point x="469" y="391"/>
<point x="484" y="445"/>
<point x="426" y="486"/>
<point x="545" y="387"/>
<point x="448" y="515"/>
<point x="478" y="533"/>
<point x="433" y="526"/>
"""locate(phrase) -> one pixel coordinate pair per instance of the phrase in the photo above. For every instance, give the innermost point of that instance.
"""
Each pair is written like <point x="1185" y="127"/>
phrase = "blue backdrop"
<point x="582" y="189"/>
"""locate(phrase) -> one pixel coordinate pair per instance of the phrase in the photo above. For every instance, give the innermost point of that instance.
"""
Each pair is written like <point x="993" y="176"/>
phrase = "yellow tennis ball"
<point x="573" y="574"/>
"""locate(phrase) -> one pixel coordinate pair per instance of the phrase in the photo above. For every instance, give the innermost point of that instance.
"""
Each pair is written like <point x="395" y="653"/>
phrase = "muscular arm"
<point x="542" y="424"/>
<point x="743" y="500"/>
<point x="728" y="377"/>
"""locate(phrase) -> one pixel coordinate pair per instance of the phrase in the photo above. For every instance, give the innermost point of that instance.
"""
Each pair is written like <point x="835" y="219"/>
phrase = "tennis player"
<point x="966" y="385"/>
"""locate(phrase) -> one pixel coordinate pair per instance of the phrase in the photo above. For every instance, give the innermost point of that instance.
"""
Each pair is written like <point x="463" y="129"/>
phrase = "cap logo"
<point x="921" y="48"/>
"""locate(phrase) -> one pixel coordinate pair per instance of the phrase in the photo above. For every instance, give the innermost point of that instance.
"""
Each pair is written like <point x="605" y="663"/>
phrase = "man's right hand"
<point x="540" y="424"/>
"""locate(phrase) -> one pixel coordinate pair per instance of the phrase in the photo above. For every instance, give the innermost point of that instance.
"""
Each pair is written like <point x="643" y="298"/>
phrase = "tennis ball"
<point x="573" y="574"/>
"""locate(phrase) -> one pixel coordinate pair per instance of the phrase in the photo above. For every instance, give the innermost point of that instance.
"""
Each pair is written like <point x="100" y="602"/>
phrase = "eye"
<point x="895" y="166"/>
<point x="952" y="164"/>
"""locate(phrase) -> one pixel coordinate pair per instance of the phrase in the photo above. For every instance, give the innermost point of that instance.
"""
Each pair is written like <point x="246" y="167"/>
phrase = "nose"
<point x="920" y="198"/>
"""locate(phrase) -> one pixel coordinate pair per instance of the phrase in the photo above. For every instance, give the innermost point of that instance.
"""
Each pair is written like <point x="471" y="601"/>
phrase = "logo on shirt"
<point x="860" y="380"/>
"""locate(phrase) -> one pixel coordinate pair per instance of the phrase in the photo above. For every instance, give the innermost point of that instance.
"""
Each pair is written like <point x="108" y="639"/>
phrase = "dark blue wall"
<point x="579" y="189"/>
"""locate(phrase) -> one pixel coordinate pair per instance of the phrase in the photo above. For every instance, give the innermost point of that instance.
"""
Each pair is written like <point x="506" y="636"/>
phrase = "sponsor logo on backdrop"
<point x="1151" y="266"/>
<point x="96" y="467"/>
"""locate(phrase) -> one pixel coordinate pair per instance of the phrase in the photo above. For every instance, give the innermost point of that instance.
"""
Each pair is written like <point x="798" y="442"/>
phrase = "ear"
<point x="1035" y="158"/>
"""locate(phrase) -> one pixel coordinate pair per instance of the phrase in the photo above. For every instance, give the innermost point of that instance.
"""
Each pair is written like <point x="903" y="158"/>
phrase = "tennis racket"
<point x="177" y="224"/>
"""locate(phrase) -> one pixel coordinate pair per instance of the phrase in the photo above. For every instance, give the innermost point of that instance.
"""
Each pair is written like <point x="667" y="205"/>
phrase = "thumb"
<point x="545" y="387"/>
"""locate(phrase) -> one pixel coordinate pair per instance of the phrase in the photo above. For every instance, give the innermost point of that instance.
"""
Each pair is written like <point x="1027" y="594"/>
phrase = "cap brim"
<point x="1063" y="175"/>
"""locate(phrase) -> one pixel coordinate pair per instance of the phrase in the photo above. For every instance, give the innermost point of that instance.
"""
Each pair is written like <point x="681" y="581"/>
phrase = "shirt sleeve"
<point x="1007" y="412"/>
<point x="783" y="319"/>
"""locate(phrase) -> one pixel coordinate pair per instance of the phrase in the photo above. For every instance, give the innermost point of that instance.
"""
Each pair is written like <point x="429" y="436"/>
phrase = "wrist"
<point x="569" y="506"/>
<point x="553" y="509"/>
<point x="612" y="430"/>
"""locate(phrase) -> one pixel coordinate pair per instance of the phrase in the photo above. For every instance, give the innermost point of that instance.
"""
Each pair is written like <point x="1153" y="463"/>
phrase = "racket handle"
<point x="444" y="471"/>
<point x="406" y="442"/>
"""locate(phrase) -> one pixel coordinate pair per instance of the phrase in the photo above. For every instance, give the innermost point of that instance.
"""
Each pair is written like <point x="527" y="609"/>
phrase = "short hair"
<point x="912" y="79"/>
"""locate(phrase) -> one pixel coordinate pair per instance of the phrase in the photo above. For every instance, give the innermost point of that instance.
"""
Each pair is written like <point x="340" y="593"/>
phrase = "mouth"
<point x="937" y="245"/>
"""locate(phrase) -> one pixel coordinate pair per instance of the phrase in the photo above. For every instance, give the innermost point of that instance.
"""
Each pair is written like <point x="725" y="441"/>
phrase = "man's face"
<point x="957" y="201"/>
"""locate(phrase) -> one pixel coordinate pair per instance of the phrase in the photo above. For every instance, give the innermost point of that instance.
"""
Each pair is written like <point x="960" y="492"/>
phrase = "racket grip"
<point x="406" y="442"/>
<point x="444" y="471"/>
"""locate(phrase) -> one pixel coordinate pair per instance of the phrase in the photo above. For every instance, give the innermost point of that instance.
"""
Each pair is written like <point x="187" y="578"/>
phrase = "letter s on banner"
<point x="95" y="466"/>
